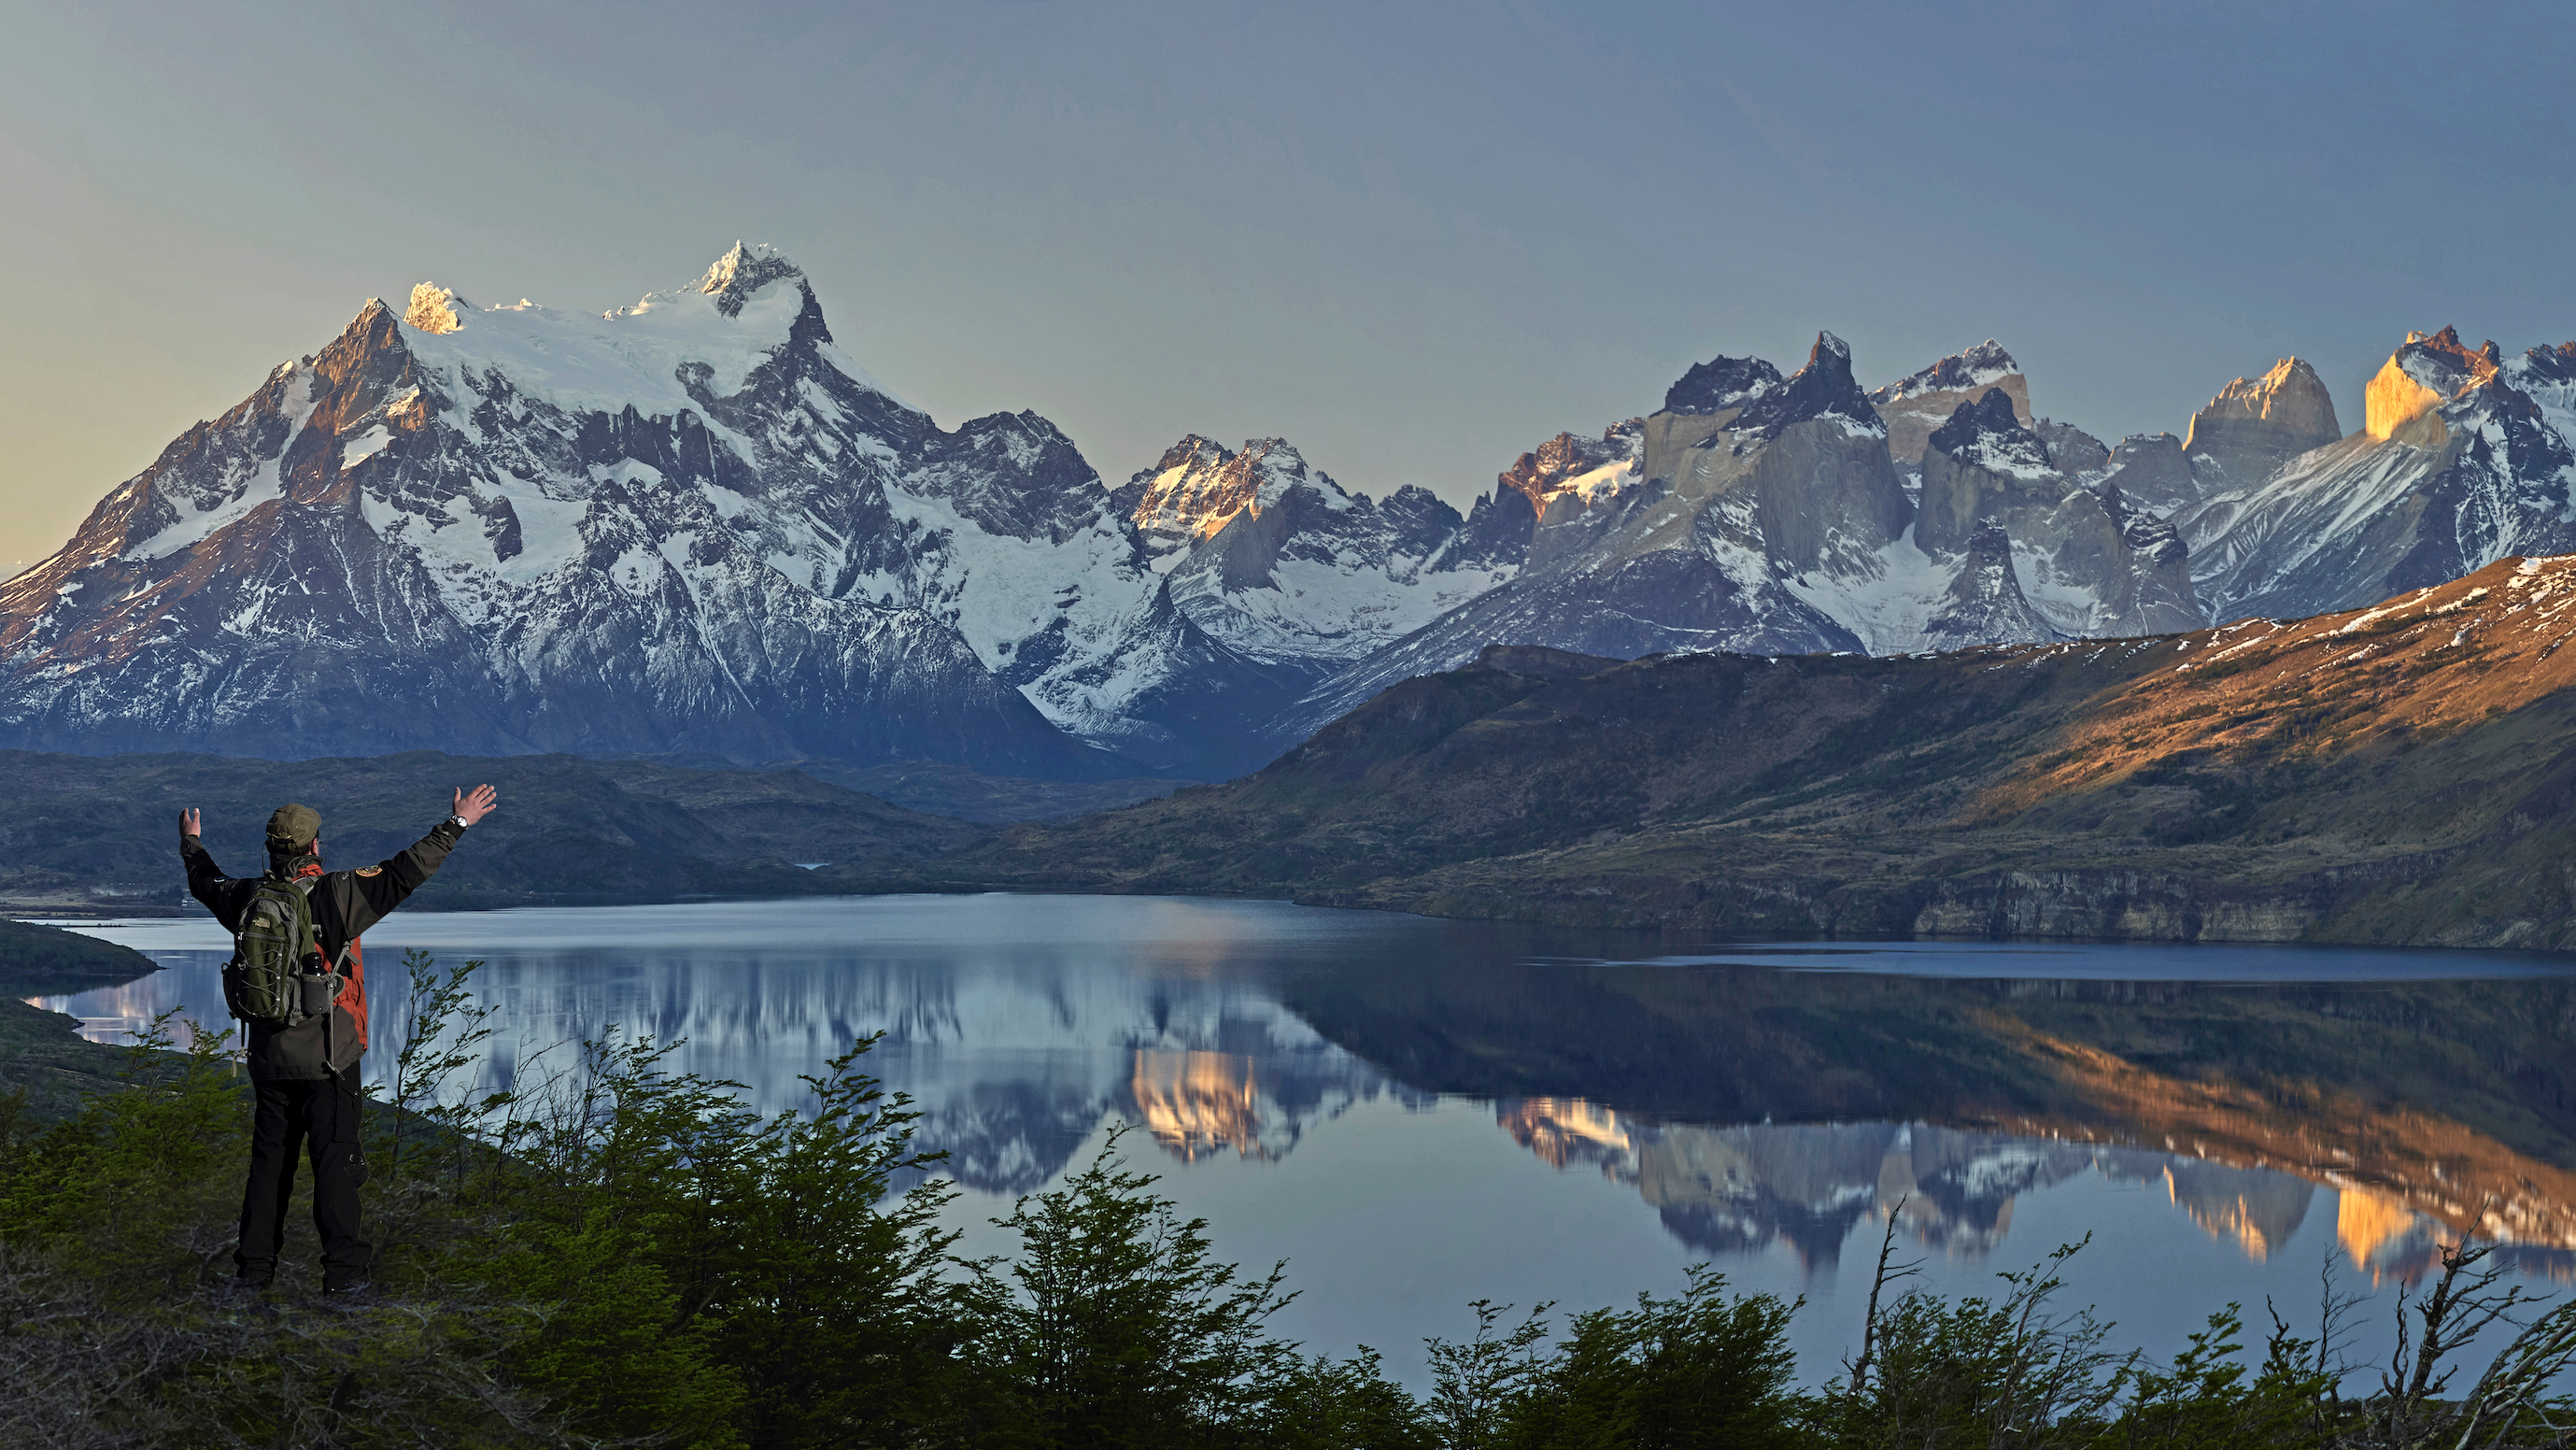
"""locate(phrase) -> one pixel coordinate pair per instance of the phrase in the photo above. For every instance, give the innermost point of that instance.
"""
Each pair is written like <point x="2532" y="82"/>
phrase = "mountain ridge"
<point x="695" y="526"/>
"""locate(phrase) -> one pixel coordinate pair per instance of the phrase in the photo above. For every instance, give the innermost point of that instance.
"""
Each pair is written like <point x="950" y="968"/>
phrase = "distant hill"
<point x="102" y="832"/>
<point x="37" y="959"/>
<point x="46" y="1067"/>
<point x="2402" y="774"/>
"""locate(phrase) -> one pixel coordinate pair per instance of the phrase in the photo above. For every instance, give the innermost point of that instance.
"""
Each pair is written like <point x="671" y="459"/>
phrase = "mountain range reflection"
<point x="1726" y="1190"/>
<point x="1751" y="1109"/>
<point x="2427" y="1109"/>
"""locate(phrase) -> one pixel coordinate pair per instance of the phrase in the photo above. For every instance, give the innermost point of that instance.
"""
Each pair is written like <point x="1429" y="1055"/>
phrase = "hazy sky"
<point x="1415" y="240"/>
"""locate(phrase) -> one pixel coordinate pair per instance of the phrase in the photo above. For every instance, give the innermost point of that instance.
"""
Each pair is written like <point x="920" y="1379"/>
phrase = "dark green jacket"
<point x="345" y="903"/>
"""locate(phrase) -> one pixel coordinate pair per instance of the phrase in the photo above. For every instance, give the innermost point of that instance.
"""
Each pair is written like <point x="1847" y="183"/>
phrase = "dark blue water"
<point x="1417" y="1113"/>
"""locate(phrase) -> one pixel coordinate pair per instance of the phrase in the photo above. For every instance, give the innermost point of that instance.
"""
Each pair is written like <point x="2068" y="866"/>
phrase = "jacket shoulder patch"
<point x="369" y="871"/>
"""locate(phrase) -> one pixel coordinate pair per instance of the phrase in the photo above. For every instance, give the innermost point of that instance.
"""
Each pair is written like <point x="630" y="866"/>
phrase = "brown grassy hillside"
<point x="2401" y="774"/>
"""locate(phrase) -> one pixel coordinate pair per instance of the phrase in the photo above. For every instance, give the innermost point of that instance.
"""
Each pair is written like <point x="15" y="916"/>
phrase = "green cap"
<point x="293" y="828"/>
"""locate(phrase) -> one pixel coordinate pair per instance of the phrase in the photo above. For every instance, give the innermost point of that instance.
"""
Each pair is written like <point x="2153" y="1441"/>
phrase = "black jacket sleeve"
<point x="207" y="882"/>
<point x="370" y="892"/>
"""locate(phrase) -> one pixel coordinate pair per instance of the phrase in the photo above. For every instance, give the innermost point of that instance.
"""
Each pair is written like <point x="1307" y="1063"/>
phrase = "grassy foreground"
<point x="618" y="1255"/>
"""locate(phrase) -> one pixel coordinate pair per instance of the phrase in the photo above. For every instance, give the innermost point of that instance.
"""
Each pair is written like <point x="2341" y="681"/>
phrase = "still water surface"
<point x="1416" y="1113"/>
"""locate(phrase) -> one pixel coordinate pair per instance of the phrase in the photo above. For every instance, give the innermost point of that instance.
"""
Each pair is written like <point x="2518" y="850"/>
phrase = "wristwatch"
<point x="459" y="822"/>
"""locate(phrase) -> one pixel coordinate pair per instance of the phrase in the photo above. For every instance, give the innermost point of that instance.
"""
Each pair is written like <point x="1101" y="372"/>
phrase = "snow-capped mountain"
<point x="1253" y="576"/>
<point x="1913" y="406"/>
<point x="1768" y="515"/>
<point x="697" y="524"/>
<point x="1572" y="488"/>
<point x="2464" y="458"/>
<point x="683" y="525"/>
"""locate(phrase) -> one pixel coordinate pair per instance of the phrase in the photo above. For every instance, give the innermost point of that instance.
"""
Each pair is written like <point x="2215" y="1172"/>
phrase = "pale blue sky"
<point x="1415" y="240"/>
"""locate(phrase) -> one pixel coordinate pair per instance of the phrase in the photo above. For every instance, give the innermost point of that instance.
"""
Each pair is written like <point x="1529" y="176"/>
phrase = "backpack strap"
<point x="335" y="967"/>
<point x="313" y="917"/>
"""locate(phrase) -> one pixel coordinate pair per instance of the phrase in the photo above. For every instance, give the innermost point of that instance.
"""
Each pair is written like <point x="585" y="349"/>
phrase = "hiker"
<point x="298" y="984"/>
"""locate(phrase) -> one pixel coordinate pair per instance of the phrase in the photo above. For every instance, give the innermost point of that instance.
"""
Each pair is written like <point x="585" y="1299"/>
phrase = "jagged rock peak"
<point x="2291" y="395"/>
<point x="2443" y="356"/>
<point x="2551" y="364"/>
<point x="1719" y="384"/>
<point x="1986" y="432"/>
<point x="2151" y="471"/>
<point x="1198" y="487"/>
<point x="2426" y="371"/>
<point x="2254" y="425"/>
<point x="742" y="272"/>
<point x="1194" y="451"/>
<point x="1985" y="603"/>
<point x="436" y="309"/>
<point x="1824" y="387"/>
<point x="1569" y="464"/>
<point x="1914" y="406"/>
<point x="1981" y="366"/>
<point x="2070" y="448"/>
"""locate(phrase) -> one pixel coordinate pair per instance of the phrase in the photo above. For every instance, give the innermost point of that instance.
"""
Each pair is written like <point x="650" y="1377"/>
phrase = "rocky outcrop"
<point x="2158" y="596"/>
<point x="2255" y="425"/>
<point x="2071" y="450"/>
<point x="1985" y="604"/>
<point x="2096" y="564"/>
<point x="1979" y="465"/>
<point x="2150" y="470"/>
<point x="1914" y="406"/>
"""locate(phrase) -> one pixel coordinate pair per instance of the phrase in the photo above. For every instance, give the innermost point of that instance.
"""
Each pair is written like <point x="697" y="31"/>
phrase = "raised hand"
<point x="475" y="805"/>
<point x="188" y="823"/>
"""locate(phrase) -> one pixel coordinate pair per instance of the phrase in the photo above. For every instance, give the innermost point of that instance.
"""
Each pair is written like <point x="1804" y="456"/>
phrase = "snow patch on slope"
<point x="263" y="484"/>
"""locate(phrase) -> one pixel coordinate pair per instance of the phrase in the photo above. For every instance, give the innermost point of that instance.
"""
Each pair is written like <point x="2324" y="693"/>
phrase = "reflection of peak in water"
<point x="1566" y="1131"/>
<point x="1198" y="1102"/>
<point x="2282" y="1079"/>
<point x="1738" y="1189"/>
<point x="1012" y="1071"/>
<point x="1741" y="1188"/>
<point x="2255" y="1208"/>
<point x="1011" y="1066"/>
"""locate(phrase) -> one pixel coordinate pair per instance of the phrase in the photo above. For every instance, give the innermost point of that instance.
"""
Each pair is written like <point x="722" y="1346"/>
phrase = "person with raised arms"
<point x="298" y="984"/>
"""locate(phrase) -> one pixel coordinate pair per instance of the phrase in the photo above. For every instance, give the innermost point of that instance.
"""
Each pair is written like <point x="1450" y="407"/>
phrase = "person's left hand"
<point x="475" y="806"/>
<point x="188" y="822"/>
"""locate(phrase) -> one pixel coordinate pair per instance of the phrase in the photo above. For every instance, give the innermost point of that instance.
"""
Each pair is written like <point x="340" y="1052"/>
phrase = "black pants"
<point x="320" y="1114"/>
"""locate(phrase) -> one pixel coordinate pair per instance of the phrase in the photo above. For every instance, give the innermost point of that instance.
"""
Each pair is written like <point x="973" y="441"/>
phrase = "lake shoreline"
<point x="1590" y="916"/>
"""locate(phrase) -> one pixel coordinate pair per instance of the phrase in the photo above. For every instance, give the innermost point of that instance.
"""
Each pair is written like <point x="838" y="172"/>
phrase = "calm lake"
<point x="1417" y="1113"/>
